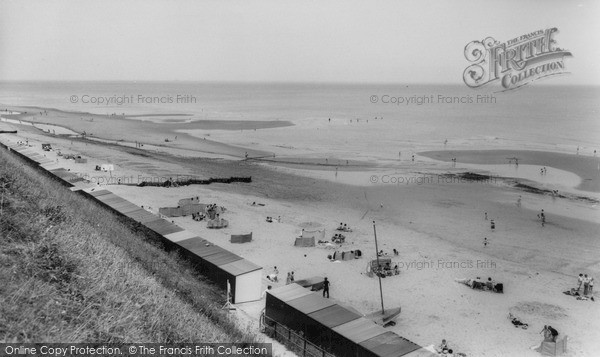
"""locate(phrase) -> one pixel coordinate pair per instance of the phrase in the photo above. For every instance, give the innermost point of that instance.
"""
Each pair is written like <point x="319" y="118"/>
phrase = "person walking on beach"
<point x="492" y="225"/>
<point x="326" y="287"/>
<point x="485" y="216"/>
<point x="519" y="201"/>
<point x="485" y="242"/>
<point x="542" y="217"/>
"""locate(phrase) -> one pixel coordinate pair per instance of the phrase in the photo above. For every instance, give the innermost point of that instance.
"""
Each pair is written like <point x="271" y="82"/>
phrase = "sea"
<point x="564" y="117"/>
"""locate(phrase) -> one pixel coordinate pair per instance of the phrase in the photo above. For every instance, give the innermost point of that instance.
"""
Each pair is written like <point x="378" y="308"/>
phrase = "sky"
<point x="397" y="41"/>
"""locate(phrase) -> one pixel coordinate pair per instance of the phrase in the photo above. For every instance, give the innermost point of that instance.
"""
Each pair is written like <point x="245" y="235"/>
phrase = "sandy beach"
<point x="435" y="220"/>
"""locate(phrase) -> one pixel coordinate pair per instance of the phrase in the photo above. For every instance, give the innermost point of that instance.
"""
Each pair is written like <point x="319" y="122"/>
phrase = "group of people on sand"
<point x="550" y="333"/>
<point x="198" y="216"/>
<point x="290" y="278"/>
<point x="338" y="238"/>
<point x="270" y="219"/>
<point x="444" y="350"/>
<point x="542" y="217"/>
<point x="477" y="283"/>
<point x="386" y="270"/>
<point x="381" y="253"/>
<point x="344" y="227"/>
<point x="588" y="284"/>
<point x="274" y="276"/>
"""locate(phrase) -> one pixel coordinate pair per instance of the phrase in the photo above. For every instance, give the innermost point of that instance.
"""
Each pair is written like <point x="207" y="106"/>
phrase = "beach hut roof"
<point x="240" y="267"/>
<point x="310" y="303"/>
<point x="389" y="344"/>
<point x="221" y="258"/>
<point x="359" y="330"/>
<point x="97" y="193"/>
<point x="163" y="227"/>
<point x="334" y="315"/>
<point x="198" y="247"/>
<point x="289" y="292"/>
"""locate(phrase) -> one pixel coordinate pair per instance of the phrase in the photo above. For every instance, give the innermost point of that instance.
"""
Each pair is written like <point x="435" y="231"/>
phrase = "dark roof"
<point x="359" y="330"/>
<point x="334" y="316"/>
<point x="289" y="292"/>
<point x="310" y="303"/>
<point x="389" y="344"/>
<point x="162" y="226"/>
<point x="240" y="267"/>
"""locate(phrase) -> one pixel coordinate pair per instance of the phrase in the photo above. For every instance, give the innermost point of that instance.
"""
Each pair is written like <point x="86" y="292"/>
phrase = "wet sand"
<point x="586" y="167"/>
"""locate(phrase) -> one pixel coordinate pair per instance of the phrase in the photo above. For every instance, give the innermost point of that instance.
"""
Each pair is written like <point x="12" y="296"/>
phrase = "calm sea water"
<point x="539" y="113"/>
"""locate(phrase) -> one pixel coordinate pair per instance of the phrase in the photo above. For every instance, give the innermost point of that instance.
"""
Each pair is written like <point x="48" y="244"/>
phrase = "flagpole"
<point x="378" y="267"/>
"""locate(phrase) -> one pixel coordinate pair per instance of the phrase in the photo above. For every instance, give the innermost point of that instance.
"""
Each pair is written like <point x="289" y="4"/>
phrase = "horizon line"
<point x="270" y="82"/>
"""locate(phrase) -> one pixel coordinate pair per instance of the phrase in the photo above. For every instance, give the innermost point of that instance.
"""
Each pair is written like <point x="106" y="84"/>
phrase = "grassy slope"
<point x="70" y="271"/>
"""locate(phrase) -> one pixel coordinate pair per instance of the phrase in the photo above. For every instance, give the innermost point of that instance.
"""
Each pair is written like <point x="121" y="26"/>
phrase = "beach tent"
<point x="241" y="238"/>
<point x="349" y="255"/>
<point x="557" y="348"/>
<point x="304" y="242"/>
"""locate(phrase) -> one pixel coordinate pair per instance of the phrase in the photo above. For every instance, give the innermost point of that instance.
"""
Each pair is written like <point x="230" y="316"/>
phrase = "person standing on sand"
<point x="579" y="282"/>
<point x="485" y="216"/>
<point x="586" y="285"/>
<point x="493" y="224"/>
<point x="547" y="334"/>
<point x="326" y="287"/>
<point x="485" y="242"/>
<point x="519" y="201"/>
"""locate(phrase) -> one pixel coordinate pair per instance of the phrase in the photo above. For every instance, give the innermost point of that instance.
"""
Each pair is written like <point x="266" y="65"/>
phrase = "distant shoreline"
<point x="584" y="166"/>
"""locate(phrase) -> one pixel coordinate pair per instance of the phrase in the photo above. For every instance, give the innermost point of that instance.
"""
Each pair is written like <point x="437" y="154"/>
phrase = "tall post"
<point x="378" y="275"/>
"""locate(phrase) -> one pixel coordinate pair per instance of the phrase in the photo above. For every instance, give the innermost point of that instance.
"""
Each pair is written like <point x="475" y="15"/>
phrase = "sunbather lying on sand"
<point x="516" y="322"/>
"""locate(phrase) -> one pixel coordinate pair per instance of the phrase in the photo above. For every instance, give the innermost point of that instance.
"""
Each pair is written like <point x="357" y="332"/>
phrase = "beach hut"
<point x="220" y="266"/>
<point x="335" y="328"/>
